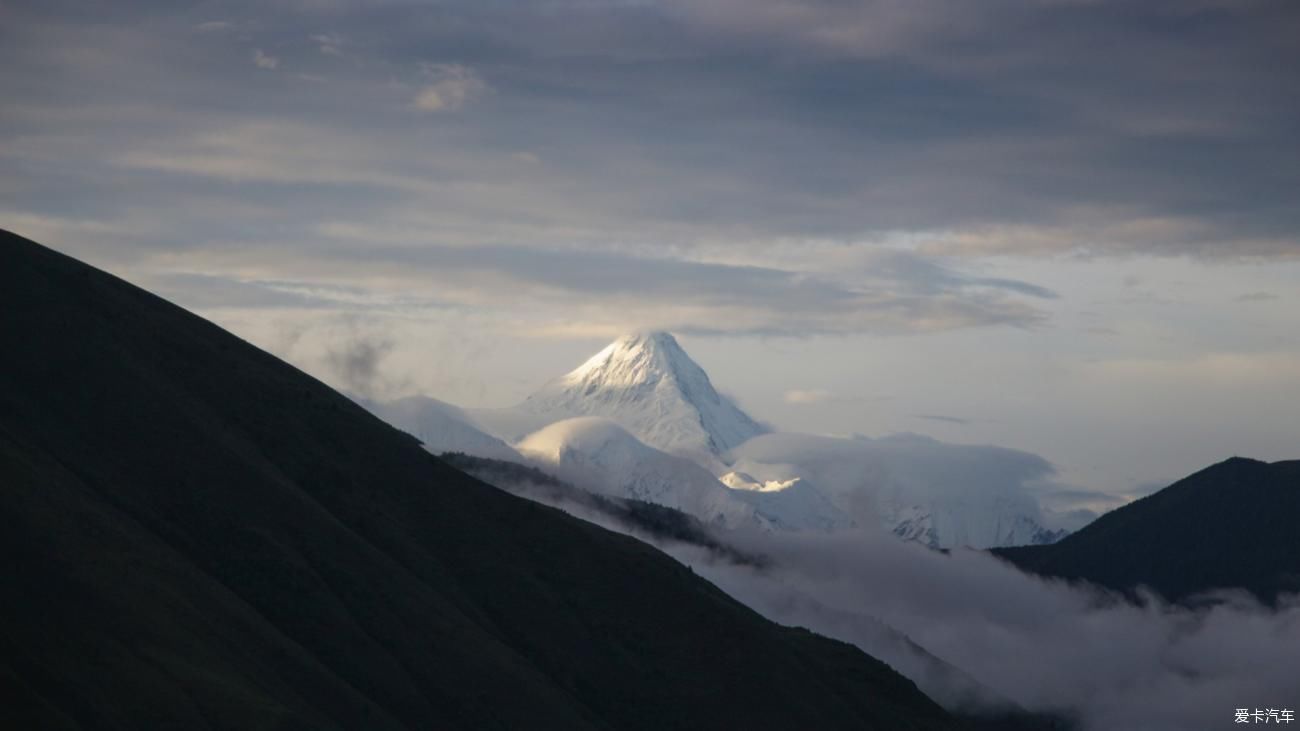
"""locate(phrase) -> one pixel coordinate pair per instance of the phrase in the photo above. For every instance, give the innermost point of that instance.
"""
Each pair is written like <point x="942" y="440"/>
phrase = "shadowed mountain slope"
<point x="1231" y="525"/>
<point x="197" y="535"/>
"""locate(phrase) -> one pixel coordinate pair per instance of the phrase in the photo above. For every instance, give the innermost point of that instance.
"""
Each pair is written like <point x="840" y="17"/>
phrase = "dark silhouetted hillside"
<point x="1233" y="525"/>
<point x="197" y="535"/>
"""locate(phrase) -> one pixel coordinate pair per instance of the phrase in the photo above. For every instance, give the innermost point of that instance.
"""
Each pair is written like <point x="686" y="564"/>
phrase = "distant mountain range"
<point x="641" y="420"/>
<point x="1235" y="524"/>
<point x="198" y="535"/>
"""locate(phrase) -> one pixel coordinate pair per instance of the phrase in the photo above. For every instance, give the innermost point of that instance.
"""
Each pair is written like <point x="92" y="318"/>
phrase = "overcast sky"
<point x="1066" y="226"/>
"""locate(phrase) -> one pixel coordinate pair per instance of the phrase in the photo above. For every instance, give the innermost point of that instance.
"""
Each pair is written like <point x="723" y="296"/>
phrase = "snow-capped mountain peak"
<point x="647" y="383"/>
<point x="632" y="360"/>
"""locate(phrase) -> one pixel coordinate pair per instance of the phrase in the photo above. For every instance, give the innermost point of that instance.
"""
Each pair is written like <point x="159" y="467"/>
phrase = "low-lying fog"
<point x="1003" y="635"/>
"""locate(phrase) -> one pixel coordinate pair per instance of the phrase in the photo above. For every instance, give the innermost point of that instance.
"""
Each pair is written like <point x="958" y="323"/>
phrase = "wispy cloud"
<point x="215" y="26"/>
<point x="1256" y="297"/>
<point x="942" y="418"/>
<point x="329" y="44"/>
<point x="739" y="122"/>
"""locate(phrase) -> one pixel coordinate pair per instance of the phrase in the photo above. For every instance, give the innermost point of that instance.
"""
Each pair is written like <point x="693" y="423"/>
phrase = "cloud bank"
<point x="673" y="136"/>
<point x="980" y="636"/>
<point x="1041" y="644"/>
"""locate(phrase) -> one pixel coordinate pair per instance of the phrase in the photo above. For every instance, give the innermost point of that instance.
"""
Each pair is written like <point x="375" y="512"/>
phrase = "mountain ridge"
<point x="1228" y="526"/>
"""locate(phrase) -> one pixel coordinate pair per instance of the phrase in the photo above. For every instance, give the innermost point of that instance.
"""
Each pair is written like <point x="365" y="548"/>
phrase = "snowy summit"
<point x="650" y="386"/>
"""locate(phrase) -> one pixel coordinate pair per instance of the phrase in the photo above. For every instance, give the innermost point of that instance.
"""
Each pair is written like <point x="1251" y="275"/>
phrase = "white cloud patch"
<point x="265" y="61"/>
<point x="453" y="87"/>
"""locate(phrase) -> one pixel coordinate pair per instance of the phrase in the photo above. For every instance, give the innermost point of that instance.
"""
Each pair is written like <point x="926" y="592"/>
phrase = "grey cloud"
<point x="731" y="121"/>
<point x="202" y="291"/>
<point x="1256" y="297"/>
<point x="206" y="292"/>
<point x="1024" y="288"/>
<point x="1069" y="501"/>
<point x="215" y="26"/>
<point x="929" y="274"/>
<point x="774" y="301"/>
<point x="329" y="44"/>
